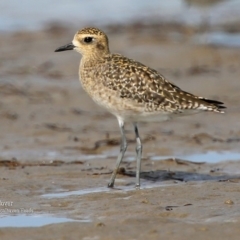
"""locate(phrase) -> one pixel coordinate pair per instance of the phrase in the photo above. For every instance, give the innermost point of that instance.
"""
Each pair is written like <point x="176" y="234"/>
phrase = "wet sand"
<point x="58" y="148"/>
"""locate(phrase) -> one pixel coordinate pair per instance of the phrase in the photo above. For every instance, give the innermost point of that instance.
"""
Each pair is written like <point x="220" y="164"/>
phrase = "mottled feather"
<point x="137" y="82"/>
<point x="129" y="88"/>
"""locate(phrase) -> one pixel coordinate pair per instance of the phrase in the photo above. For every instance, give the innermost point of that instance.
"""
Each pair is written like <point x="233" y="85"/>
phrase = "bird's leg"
<point x="139" y="155"/>
<point x="123" y="149"/>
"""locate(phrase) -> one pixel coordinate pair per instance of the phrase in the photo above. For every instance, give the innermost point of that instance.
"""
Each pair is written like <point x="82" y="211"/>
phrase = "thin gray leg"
<point x="139" y="155"/>
<point x="123" y="149"/>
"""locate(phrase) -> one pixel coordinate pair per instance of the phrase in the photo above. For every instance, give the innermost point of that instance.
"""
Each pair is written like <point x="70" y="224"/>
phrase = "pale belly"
<point x="131" y="113"/>
<point x="129" y="110"/>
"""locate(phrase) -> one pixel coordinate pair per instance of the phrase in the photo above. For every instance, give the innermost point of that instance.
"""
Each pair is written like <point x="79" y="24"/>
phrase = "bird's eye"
<point x="88" y="39"/>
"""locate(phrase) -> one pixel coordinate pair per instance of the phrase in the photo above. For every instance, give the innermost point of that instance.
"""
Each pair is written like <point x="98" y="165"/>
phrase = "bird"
<point x="130" y="90"/>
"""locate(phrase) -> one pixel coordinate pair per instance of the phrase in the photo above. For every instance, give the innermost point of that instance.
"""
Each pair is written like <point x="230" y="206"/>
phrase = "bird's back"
<point x="142" y="87"/>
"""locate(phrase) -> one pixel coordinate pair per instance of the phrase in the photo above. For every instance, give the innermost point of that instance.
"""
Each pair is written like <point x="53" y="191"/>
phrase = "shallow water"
<point x="149" y="179"/>
<point x="33" y="220"/>
<point x="46" y="155"/>
<point x="123" y="189"/>
<point x="49" y="155"/>
<point x="27" y="14"/>
<point x="208" y="157"/>
<point x="218" y="39"/>
<point x="77" y="192"/>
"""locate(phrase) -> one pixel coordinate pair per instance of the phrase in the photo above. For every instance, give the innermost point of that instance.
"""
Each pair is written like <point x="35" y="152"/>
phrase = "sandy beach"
<point x="58" y="148"/>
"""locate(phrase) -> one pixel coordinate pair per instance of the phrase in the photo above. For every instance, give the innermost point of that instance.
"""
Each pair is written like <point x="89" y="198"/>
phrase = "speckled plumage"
<point x="128" y="89"/>
<point x="146" y="89"/>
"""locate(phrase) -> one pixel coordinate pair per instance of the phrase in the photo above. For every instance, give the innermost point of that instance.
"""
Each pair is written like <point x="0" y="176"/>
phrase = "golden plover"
<point x="130" y="90"/>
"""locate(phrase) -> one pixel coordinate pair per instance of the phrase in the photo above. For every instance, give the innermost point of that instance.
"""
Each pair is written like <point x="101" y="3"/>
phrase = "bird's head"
<point x="90" y="42"/>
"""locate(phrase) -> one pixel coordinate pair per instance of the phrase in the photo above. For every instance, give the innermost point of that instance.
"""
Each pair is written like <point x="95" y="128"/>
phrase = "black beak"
<point x="66" y="47"/>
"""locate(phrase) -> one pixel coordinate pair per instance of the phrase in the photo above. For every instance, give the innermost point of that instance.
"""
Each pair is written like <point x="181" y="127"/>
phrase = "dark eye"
<point x="88" y="39"/>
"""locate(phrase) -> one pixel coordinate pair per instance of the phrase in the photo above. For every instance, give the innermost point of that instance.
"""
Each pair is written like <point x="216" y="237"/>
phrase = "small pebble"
<point x="100" y="224"/>
<point x="229" y="202"/>
<point x="145" y="201"/>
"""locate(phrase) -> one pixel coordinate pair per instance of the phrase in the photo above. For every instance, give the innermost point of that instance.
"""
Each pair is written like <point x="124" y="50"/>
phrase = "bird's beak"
<point x="66" y="47"/>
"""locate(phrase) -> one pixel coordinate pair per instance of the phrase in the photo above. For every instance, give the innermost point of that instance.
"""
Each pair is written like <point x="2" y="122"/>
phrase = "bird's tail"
<point x="213" y="105"/>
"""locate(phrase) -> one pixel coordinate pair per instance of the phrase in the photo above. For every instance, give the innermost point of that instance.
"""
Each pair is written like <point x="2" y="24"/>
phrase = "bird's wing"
<point x="135" y="81"/>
